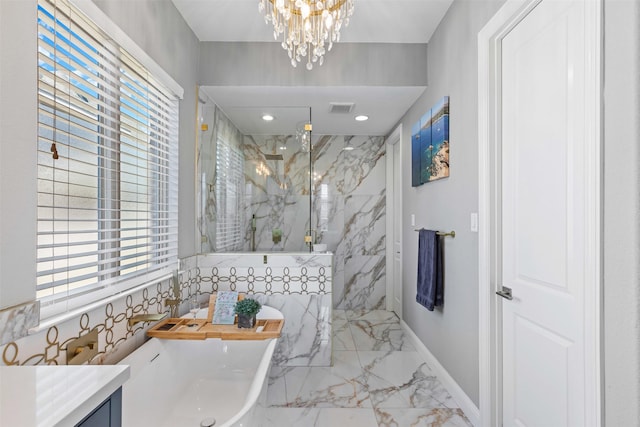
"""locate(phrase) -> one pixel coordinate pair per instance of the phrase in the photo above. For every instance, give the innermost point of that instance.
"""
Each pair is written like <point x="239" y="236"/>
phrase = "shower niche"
<point x="253" y="178"/>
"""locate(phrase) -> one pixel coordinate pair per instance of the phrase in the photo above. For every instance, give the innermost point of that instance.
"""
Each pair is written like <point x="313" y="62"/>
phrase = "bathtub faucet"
<point x="146" y="318"/>
<point x="253" y="233"/>
<point x="174" y="302"/>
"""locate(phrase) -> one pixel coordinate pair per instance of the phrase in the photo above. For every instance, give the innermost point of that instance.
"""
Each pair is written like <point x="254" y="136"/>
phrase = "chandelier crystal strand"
<point x="309" y="28"/>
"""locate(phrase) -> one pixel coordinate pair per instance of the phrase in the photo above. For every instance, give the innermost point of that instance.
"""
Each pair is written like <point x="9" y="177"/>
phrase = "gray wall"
<point x="450" y="332"/>
<point x="18" y="156"/>
<point x="621" y="293"/>
<point x="158" y="28"/>
<point x="348" y="64"/>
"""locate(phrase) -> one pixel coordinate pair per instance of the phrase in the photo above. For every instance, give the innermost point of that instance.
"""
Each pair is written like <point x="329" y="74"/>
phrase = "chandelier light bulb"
<point x="305" y="10"/>
<point x="307" y="25"/>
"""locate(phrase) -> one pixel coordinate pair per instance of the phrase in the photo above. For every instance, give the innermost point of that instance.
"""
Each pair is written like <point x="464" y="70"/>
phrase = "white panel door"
<point x="543" y="217"/>
<point x="397" y="230"/>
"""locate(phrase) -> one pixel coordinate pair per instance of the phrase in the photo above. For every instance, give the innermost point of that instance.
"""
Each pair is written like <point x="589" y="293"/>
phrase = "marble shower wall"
<point x="348" y="207"/>
<point x="348" y="202"/>
<point x="349" y="198"/>
<point x="276" y="192"/>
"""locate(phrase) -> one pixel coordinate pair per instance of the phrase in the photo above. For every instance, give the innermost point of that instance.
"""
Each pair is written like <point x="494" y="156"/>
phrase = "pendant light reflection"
<point x="347" y="143"/>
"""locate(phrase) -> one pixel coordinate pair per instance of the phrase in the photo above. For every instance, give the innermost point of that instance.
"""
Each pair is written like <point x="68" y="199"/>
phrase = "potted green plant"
<point x="246" y="310"/>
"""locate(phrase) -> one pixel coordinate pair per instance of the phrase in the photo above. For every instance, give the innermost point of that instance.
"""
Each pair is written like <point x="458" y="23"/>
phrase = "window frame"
<point x="54" y="307"/>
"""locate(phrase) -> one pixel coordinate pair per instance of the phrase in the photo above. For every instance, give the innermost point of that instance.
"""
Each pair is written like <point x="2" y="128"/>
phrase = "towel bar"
<point x="441" y="233"/>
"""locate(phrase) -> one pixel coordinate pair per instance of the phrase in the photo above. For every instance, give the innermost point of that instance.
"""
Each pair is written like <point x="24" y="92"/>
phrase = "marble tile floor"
<point x="377" y="379"/>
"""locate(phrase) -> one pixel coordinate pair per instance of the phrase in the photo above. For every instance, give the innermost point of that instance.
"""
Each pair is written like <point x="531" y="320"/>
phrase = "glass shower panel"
<point x="253" y="186"/>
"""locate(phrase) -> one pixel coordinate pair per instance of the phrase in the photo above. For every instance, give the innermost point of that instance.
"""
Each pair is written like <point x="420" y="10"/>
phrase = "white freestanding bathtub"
<point x="184" y="383"/>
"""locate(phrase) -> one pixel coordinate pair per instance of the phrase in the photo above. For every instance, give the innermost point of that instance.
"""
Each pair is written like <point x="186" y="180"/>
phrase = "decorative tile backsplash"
<point x="116" y="338"/>
<point x="282" y="274"/>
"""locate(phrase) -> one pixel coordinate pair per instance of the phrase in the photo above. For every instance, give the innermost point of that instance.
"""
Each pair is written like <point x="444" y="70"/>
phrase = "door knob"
<point x="505" y="292"/>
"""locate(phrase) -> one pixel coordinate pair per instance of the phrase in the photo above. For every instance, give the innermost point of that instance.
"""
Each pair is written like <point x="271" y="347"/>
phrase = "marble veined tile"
<point x="306" y="335"/>
<point x="361" y="170"/>
<point x="342" y="338"/>
<point x="16" y="321"/>
<point x="374" y="316"/>
<point x="438" y="417"/>
<point x="401" y="379"/>
<point x="393" y="367"/>
<point x="364" y="224"/>
<point x="365" y="166"/>
<point x="339" y="315"/>
<point x="379" y="336"/>
<point x="328" y="216"/>
<point x="338" y="277"/>
<point x="277" y="391"/>
<point x="365" y="284"/>
<point x="339" y="386"/>
<point x="319" y="417"/>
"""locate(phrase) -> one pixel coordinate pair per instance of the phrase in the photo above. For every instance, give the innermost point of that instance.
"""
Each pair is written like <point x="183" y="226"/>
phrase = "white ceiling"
<point x="245" y="106"/>
<point x="379" y="21"/>
<point x="383" y="21"/>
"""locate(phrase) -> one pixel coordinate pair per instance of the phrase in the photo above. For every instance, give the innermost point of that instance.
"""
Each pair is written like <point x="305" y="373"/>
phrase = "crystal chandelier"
<point x="309" y="27"/>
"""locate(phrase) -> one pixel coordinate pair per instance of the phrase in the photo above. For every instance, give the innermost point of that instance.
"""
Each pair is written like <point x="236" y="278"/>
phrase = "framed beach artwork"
<point x="430" y="145"/>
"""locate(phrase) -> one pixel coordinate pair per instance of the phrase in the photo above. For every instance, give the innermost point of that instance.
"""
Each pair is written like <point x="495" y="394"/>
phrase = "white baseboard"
<point x="466" y="404"/>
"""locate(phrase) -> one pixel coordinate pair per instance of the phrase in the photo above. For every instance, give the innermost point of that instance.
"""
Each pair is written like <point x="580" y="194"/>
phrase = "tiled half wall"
<point x="299" y="285"/>
<point x="116" y="338"/>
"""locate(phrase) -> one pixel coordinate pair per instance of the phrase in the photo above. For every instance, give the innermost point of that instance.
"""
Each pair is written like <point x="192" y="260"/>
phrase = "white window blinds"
<point x="229" y="192"/>
<point x="107" y="163"/>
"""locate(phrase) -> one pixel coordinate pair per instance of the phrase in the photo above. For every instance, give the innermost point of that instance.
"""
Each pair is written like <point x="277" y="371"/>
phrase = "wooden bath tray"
<point x="200" y="329"/>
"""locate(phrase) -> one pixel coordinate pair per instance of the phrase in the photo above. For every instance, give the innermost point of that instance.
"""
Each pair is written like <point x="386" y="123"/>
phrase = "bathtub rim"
<point x="255" y="389"/>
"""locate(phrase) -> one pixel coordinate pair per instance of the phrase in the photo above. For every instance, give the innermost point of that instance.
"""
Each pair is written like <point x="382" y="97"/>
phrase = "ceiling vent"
<point x="341" y="107"/>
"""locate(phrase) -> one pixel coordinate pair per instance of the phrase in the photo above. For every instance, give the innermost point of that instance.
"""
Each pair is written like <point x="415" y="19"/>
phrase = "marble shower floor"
<point x="378" y="379"/>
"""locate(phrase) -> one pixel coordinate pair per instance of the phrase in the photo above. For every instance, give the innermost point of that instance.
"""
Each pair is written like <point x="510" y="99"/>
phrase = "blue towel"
<point x="430" y="286"/>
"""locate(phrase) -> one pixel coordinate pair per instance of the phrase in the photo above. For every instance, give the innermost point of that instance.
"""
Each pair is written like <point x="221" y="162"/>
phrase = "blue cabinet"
<point x="107" y="414"/>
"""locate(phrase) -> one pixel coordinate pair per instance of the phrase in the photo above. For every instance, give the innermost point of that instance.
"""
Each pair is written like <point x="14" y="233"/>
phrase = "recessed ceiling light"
<point x="362" y="118"/>
<point x="267" y="117"/>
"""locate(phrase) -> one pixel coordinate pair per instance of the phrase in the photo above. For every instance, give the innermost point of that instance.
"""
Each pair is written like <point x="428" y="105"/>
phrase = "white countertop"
<point x="47" y="396"/>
